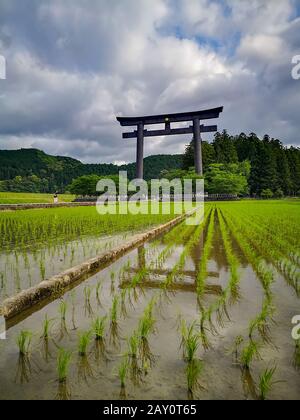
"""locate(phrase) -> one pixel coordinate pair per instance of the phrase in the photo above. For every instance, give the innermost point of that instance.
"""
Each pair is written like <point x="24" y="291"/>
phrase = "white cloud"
<point x="200" y="17"/>
<point x="263" y="47"/>
<point x="74" y="65"/>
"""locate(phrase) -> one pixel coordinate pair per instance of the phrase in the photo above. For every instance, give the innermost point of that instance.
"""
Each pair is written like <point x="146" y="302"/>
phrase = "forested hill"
<point x="56" y="172"/>
<point x="272" y="168"/>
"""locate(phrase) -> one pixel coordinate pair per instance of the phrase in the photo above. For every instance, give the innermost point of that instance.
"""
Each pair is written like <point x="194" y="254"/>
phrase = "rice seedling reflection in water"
<point x="235" y="350"/>
<point x="112" y="288"/>
<point x="212" y="327"/>
<point x="234" y="288"/>
<point x="87" y="301"/>
<point x="296" y="358"/>
<point x="98" y="292"/>
<point x="124" y="293"/>
<point x="99" y="331"/>
<point x="114" y="326"/>
<point x="73" y="297"/>
<point x="123" y="372"/>
<point x="222" y="311"/>
<point x="63" y="310"/>
<point x="133" y="351"/>
<point x="84" y="368"/>
<point x="63" y="306"/>
<point x="63" y="365"/>
<point x="145" y="328"/>
<point x="24" y="369"/>
<point x="112" y="284"/>
<point x="45" y="338"/>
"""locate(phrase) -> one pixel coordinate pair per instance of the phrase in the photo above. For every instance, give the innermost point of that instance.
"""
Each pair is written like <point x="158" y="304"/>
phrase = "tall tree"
<point x="225" y="150"/>
<point x="284" y="182"/>
<point x="263" y="172"/>
<point x="293" y="156"/>
<point x="208" y="155"/>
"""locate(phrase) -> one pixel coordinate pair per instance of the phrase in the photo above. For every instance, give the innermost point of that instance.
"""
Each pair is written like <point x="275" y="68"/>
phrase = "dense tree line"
<point x="273" y="168"/>
<point x="31" y="183"/>
<point x="232" y="164"/>
<point x="31" y="170"/>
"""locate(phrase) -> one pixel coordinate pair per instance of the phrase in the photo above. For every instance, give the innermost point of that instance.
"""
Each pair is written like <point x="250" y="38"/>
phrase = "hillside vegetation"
<point x="31" y="170"/>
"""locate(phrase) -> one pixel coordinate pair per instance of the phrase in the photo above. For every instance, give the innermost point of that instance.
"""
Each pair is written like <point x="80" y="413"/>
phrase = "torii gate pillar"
<point x="140" y="152"/>
<point x="198" y="147"/>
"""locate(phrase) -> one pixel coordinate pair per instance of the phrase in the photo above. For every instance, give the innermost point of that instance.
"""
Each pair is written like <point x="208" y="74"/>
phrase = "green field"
<point x="30" y="228"/>
<point x="202" y="312"/>
<point x="31" y="198"/>
<point x="36" y="244"/>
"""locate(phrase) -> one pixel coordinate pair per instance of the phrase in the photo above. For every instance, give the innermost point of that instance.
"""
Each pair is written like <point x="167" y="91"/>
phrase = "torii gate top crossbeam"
<point x="196" y="117"/>
<point x="179" y="117"/>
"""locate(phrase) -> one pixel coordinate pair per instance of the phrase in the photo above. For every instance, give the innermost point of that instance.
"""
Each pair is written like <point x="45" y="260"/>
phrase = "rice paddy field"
<point x="202" y="312"/>
<point x="37" y="244"/>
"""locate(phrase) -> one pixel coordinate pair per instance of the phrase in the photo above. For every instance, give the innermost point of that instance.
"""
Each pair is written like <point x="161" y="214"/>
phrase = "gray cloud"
<point x="73" y="65"/>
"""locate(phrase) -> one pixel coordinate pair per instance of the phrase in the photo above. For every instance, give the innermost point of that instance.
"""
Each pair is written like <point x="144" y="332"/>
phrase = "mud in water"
<point x="160" y="374"/>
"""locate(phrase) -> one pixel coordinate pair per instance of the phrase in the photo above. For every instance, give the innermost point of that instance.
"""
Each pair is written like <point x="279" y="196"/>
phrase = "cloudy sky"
<point x="73" y="65"/>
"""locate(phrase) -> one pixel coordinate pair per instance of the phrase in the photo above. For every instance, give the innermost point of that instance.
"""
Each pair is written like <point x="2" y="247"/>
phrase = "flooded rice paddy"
<point x="37" y="244"/>
<point x="22" y="270"/>
<point x="201" y="312"/>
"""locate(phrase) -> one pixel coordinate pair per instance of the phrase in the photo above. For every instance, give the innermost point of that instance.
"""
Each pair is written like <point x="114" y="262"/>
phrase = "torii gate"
<point x="196" y="129"/>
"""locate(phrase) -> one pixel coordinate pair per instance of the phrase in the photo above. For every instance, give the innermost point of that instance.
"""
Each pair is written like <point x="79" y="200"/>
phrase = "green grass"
<point x="33" y="228"/>
<point x="147" y="322"/>
<point x="190" y="340"/>
<point x="266" y="382"/>
<point x="46" y="327"/>
<point x="249" y="354"/>
<point x="99" y="328"/>
<point x="24" y="342"/>
<point x="191" y="343"/>
<point x="133" y="345"/>
<point x="63" y="363"/>
<point x="202" y="272"/>
<point x="32" y="198"/>
<point x="146" y="326"/>
<point x="123" y="371"/>
<point x="114" y="310"/>
<point x="83" y="343"/>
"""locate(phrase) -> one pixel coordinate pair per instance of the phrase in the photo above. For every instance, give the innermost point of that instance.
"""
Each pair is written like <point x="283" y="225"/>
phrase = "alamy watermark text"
<point x="296" y="68"/>
<point x="2" y="67"/>
<point x="296" y="329"/>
